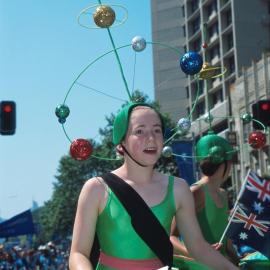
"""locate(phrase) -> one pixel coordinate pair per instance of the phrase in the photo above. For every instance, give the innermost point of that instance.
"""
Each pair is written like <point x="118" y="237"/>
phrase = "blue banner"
<point x="18" y="225"/>
<point x="185" y="160"/>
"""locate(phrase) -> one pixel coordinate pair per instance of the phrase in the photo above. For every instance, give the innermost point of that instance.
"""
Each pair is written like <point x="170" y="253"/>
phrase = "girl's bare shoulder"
<point x="182" y="194"/>
<point x="180" y="186"/>
<point x="94" y="187"/>
<point x="178" y="182"/>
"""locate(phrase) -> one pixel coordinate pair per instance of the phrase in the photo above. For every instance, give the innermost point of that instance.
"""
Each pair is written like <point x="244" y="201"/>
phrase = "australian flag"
<point x="250" y="224"/>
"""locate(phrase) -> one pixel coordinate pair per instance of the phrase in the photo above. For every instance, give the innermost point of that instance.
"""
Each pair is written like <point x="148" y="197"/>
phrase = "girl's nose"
<point x="151" y="135"/>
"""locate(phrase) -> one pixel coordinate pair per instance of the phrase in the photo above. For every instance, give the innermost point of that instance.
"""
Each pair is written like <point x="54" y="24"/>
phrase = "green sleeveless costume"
<point x="213" y="220"/>
<point x="116" y="235"/>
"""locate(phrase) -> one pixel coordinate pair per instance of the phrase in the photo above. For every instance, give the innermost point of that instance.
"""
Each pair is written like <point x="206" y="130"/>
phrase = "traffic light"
<point x="261" y="112"/>
<point x="7" y="117"/>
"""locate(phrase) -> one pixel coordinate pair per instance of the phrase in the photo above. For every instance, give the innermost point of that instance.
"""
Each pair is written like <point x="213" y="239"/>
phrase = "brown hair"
<point x="208" y="168"/>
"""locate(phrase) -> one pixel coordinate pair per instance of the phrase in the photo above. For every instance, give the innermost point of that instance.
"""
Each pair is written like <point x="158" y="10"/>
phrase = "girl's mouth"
<point x="150" y="150"/>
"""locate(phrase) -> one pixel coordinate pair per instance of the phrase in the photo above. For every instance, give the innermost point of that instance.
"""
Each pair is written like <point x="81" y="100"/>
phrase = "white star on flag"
<point x="243" y="236"/>
<point x="258" y="207"/>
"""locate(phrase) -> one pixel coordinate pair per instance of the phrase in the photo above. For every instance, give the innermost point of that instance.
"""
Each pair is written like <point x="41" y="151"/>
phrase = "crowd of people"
<point x="44" y="257"/>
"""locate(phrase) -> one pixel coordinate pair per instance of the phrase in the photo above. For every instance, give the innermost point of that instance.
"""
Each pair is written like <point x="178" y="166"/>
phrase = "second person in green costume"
<point x="214" y="154"/>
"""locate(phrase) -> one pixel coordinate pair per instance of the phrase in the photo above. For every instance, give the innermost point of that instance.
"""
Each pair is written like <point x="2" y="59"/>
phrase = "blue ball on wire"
<point x="191" y="63"/>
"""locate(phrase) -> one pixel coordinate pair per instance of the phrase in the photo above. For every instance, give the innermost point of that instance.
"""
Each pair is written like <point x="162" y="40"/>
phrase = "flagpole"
<point x="235" y="207"/>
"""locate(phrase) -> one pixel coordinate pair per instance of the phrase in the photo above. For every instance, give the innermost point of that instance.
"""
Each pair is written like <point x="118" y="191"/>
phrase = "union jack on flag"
<point x="250" y="223"/>
<point x="259" y="186"/>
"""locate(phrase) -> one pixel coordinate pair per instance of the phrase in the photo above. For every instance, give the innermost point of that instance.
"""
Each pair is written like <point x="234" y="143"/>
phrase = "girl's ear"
<point x="120" y="149"/>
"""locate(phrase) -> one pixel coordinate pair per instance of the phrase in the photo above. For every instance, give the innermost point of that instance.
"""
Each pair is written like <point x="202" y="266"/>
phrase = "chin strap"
<point x="126" y="151"/>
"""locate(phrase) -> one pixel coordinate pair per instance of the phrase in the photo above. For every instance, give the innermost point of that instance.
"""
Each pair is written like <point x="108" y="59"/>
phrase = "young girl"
<point x="211" y="203"/>
<point x="138" y="134"/>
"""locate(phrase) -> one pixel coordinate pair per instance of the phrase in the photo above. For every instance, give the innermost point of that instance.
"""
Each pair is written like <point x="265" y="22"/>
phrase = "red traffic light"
<point x="7" y="117"/>
<point x="265" y="106"/>
<point x="7" y="108"/>
<point x="261" y="112"/>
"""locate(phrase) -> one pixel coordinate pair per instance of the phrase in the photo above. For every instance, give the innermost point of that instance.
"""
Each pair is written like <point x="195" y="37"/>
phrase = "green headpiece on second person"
<point x="214" y="148"/>
<point x="120" y="125"/>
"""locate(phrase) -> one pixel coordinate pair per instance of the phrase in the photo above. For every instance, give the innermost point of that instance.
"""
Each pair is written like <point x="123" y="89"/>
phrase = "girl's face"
<point x="144" y="139"/>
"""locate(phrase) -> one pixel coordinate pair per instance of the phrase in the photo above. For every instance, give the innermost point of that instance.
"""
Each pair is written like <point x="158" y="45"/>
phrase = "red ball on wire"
<point x="81" y="149"/>
<point x="257" y="139"/>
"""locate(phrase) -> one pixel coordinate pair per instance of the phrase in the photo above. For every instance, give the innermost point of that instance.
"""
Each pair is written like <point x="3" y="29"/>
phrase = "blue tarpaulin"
<point x="18" y="225"/>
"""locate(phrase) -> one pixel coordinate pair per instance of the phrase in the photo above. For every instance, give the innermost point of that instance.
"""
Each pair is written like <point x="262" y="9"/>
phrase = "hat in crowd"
<point x="214" y="148"/>
<point x="42" y="247"/>
<point x="121" y="121"/>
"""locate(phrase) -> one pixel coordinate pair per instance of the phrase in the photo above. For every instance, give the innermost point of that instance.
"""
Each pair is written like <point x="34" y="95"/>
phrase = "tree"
<point x="57" y="215"/>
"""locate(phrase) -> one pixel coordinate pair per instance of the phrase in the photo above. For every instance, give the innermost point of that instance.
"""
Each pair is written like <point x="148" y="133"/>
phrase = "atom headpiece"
<point x="120" y="125"/>
<point x="215" y="148"/>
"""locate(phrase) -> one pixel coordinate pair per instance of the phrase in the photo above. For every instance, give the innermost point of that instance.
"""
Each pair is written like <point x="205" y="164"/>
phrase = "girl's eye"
<point x="139" y="131"/>
<point x="158" y="131"/>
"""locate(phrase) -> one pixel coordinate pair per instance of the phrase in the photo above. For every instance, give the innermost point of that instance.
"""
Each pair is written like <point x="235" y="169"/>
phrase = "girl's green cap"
<point x="214" y="147"/>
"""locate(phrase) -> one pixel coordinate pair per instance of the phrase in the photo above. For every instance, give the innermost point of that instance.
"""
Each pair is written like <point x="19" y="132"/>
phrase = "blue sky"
<point x="42" y="50"/>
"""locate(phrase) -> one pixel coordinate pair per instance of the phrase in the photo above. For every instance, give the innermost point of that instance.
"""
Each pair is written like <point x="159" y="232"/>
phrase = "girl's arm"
<point x="85" y="224"/>
<point x="178" y="246"/>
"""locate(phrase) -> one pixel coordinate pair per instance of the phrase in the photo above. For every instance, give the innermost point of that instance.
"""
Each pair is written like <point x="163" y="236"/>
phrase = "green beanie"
<point x="215" y="148"/>
<point x="120" y="125"/>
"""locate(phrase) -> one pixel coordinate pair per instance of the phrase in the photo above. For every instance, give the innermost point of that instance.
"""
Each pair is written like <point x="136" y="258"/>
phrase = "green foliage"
<point x="56" y="217"/>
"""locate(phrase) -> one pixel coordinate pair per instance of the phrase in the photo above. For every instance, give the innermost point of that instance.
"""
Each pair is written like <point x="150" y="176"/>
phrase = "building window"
<point x="187" y="92"/>
<point x="212" y="8"/>
<point x="228" y="18"/>
<point x="214" y="52"/>
<point x="217" y="97"/>
<point x="184" y="30"/>
<point x="196" y="25"/>
<point x="230" y="41"/>
<point x="194" y="5"/>
<point x="183" y="11"/>
<point x="197" y="45"/>
<point x="213" y="30"/>
<point x="200" y="110"/>
<point x="223" y="2"/>
<point x="231" y="65"/>
<point x="215" y="82"/>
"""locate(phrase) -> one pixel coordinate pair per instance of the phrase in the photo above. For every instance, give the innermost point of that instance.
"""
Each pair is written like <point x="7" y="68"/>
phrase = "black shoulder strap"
<point x="143" y="220"/>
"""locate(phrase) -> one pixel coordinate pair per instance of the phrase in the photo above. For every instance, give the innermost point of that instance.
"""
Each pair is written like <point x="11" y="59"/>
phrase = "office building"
<point x="236" y="34"/>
